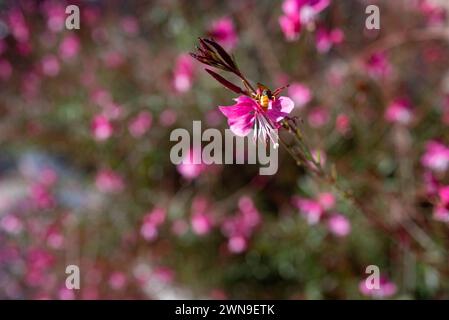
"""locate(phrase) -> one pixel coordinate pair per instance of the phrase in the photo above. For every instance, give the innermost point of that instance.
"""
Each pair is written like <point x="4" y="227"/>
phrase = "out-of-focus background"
<point x="86" y="177"/>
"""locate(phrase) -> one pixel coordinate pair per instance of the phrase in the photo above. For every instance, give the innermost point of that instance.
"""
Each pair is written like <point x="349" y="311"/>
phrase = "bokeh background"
<point x="86" y="176"/>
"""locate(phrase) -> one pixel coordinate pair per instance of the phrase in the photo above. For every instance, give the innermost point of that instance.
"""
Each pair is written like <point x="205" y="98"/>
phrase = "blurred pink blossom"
<point x="130" y="25"/>
<point x="66" y="294"/>
<point x="50" y="65"/>
<point x="187" y="168"/>
<point x="69" y="46"/>
<point x="11" y="224"/>
<point x="386" y="289"/>
<point x="318" y="117"/>
<point x="201" y="219"/>
<point x="55" y="239"/>
<point x="441" y="210"/>
<point x="399" y="111"/>
<point x="237" y="244"/>
<point x="38" y="261"/>
<point x="298" y="13"/>
<point x="140" y="124"/>
<point x="325" y="39"/>
<point x="101" y="97"/>
<point x="55" y="15"/>
<point x="151" y="222"/>
<point x="17" y="25"/>
<point x="314" y="209"/>
<point x="342" y="124"/>
<point x="113" y="59"/>
<point x="435" y="13"/>
<point x="300" y="94"/>
<point x="101" y="128"/>
<point x="339" y="225"/>
<point x="183" y="73"/>
<point x="164" y="274"/>
<point x="436" y="156"/>
<point x="326" y="200"/>
<point x="311" y="209"/>
<point x="240" y="227"/>
<point x="108" y="181"/>
<point x="167" y="117"/>
<point x="223" y="31"/>
<point x="41" y="196"/>
<point x="378" y="65"/>
<point x="48" y="177"/>
<point x="117" y="280"/>
<point x="201" y="223"/>
<point x="290" y="26"/>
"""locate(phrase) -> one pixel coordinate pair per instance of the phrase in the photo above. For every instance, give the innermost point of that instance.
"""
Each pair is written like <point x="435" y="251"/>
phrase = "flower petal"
<point x="285" y="104"/>
<point x="241" y="115"/>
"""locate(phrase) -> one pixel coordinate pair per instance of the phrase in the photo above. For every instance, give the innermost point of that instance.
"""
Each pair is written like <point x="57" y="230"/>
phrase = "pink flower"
<point x="130" y="25"/>
<point x="66" y="294"/>
<point x="326" y="200"/>
<point x="42" y="196"/>
<point x="343" y="124"/>
<point x="50" y="65"/>
<point x="113" y="59"/>
<point x="140" y="124"/>
<point x="151" y="222"/>
<point x="223" y="31"/>
<point x="441" y="210"/>
<point x="117" y="280"/>
<point x="188" y="168"/>
<point x="11" y="224"/>
<point x="436" y="156"/>
<point x="247" y="114"/>
<point x="55" y="14"/>
<point x="164" y="274"/>
<point x="69" y="47"/>
<point x="167" y="118"/>
<point x="311" y="209"/>
<point x="318" y="117"/>
<point x="325" y="39"/>
<point x="183" y="73"/>
<point x="201" y="220"/>
<point x="237" y="244"/>
<point x="201" y="223"/>
<point x="298" y="13"/>
<point x="339" y="225"/>
<point x="399" y="111"/>
<point x="108" y="181"/>
<point x="378" y="65"/>
<point x="17" y="25"/>
<point x="101" y="128"/>
<point x="435" y="13"/>
<point x="300" y="94"/>
<point x="240" y="227"/>
<point x="290" y="26"/>
<point x="55" y="239"/>
<point x="386" y="289"/>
